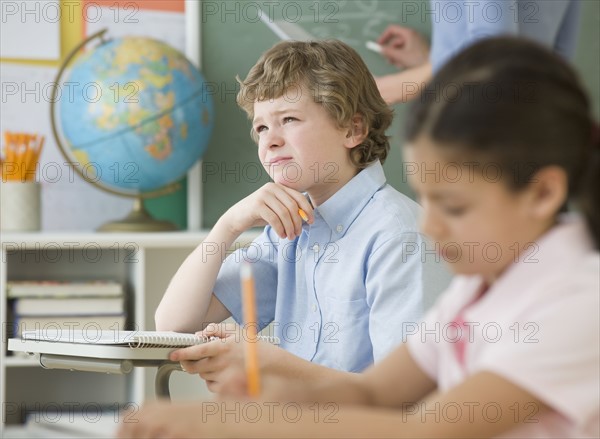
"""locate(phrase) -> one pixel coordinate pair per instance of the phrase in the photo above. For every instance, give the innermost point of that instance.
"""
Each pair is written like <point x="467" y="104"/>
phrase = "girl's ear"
<point x="548" y="192"/>
<point x="357" y="132"/>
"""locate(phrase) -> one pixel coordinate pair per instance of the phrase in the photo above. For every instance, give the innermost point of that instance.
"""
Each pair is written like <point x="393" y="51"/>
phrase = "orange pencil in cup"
<point x="251" y="327"/>
<point x="10" y="170"/>
<point x="30" y="142"/>
<point x="37" y="151"/>
<point x="9" y="148"/>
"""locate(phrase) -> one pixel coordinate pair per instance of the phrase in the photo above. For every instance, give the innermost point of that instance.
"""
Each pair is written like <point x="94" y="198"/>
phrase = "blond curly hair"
<point x="338" y="80"/>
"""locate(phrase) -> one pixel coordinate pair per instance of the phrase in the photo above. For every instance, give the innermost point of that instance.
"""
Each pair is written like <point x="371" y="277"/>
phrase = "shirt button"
<point x="314" y="308"/>
<point x="316" y="248"/>
<point x="339" y="228"/>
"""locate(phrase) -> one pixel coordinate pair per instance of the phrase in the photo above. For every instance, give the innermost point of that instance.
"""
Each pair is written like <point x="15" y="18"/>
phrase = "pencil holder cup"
<point x="19" y="206"/>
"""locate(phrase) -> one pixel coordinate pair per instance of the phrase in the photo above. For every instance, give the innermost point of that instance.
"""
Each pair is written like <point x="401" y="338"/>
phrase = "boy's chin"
<point x="292" y="184"/>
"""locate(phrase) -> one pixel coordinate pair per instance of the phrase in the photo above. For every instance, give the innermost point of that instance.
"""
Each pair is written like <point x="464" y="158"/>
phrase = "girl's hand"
<point x="272" y="204"/>
<point x="164" y="419"/>
<point x="273" y="387"/>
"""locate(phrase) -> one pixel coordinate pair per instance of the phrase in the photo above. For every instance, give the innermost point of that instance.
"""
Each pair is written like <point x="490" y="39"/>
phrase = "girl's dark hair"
<point x="515" y="104"/>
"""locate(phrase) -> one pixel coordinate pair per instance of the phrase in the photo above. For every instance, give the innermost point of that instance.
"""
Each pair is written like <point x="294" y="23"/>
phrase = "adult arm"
<point x="404" y="86"/>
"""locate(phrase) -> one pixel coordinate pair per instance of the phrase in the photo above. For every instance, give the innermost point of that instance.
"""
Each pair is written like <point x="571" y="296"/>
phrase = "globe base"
<point x="138" y="220"/>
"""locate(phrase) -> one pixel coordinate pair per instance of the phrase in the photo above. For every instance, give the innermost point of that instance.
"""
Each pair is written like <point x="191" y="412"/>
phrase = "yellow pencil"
<point x="7" y="142"/>
<point x="9" y="149"/>
<point x="251" y="327"/>
<point x="28" y="158"/>
<point x="38" y="151"/>
<point x="303" y="214"/>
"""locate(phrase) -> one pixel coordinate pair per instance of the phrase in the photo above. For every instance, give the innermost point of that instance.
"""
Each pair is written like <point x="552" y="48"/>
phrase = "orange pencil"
<point x="38" y="151"/>
<point x="251" y="327"/>
<point x="303" y="214"/>
<point x="28" y="158"/>
<point x="9" y="148"/>
<point x="7" y="141"/>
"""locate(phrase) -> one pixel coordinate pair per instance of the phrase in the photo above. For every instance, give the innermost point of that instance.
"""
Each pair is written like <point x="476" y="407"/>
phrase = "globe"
<point x="134" y="117"/>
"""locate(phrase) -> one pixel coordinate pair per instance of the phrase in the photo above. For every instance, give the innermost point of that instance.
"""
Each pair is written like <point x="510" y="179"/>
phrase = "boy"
<point x="332" y="285"/>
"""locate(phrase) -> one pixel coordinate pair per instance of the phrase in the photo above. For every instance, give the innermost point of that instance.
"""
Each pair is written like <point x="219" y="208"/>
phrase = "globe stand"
<point x="138" y="220"/>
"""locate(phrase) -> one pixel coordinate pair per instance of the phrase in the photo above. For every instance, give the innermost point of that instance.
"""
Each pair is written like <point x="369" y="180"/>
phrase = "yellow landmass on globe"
<point x="165" y="123"/>
<point x="160" y="150"/>
<point x="83" y="159"/>
<point x="158" y="81"/>
<point x="161" y="147"/>
<point x="107" y="119"/>
<point x="178" y="63"/>
<point x="164" y="101"/>
<point x="137" y="115"/>
<point x="138" y="51"/>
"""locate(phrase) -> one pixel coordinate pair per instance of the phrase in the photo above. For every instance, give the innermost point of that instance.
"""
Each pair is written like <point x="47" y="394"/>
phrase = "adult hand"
<point x="404" y="47"/>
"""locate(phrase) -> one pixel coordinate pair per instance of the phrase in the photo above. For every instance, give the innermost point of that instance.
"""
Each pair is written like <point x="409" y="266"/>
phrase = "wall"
<point x="171" y="206"/>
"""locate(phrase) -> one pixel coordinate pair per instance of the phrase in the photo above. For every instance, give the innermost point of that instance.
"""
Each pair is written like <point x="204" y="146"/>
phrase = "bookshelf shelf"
<point x="143" y="263"/>
<point x="21" y="362"/>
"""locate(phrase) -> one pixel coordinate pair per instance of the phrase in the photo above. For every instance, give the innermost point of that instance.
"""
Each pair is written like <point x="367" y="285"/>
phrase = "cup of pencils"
<point x="19" y="189"/>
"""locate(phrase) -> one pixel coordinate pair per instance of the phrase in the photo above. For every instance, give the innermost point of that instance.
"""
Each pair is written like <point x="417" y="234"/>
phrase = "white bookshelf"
<point x="144" y="263"/>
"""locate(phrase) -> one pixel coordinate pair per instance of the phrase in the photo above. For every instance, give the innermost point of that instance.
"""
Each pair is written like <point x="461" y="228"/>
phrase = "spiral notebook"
<point x="132" y="339"/>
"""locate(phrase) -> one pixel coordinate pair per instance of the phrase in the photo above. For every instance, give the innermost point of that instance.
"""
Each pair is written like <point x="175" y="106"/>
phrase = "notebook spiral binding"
<point x="160" y="341"/>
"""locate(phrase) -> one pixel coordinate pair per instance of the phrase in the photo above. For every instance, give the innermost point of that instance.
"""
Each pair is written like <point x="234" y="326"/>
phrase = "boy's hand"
<point x="404" y="47"/>
<point x="272" y="204"/>
<point x="216" y="359"/>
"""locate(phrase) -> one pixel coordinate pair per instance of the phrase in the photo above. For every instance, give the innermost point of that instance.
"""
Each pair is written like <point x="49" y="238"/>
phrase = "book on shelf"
<point x="68" y="306"/>
<point x="132" y="339"/>
<point x="51" y="288"/>
<point x="65" y="324"/>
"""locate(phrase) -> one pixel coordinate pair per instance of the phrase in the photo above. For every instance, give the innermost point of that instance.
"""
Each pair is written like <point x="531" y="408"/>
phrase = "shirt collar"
<point x="340" y="211"/>
<point x="562" y="247"/>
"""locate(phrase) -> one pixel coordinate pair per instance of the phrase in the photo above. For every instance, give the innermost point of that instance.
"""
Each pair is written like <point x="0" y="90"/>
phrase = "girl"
<point x="504" y="140"/>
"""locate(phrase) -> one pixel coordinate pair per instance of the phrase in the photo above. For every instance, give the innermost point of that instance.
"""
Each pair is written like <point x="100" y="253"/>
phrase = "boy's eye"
<point x="260" y="128"/>
<point x="289" y="119"/>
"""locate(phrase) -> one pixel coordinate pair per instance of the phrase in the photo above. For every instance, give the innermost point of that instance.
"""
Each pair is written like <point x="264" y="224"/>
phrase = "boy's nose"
<point x="273" y="139"/>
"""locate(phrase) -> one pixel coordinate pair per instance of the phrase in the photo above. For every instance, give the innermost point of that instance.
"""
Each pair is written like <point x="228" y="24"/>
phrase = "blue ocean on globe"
<point x="139" y="116"/>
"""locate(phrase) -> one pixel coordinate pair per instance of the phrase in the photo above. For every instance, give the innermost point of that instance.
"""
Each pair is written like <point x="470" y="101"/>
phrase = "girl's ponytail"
<point x="590" y="194"/>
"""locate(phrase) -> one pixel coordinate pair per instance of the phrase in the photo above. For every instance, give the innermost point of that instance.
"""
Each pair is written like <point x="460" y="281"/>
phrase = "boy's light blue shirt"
<point x="456" y="25"/>
<point x="340" y="294"/>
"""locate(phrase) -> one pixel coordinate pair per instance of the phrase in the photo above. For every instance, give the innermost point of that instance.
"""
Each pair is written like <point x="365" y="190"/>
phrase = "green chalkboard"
<point x="233" y="37"/>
